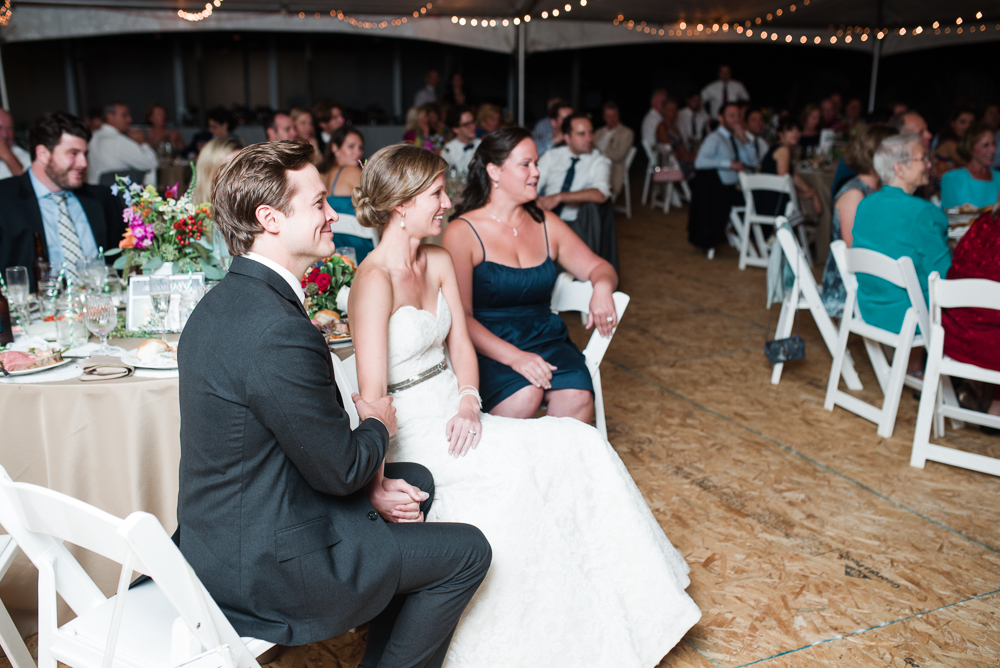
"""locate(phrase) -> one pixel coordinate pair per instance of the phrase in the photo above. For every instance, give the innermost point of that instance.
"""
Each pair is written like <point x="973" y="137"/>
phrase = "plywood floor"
<point x="811" y="540"/>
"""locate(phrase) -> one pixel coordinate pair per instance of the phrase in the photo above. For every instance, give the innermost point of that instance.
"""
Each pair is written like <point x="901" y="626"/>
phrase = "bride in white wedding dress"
<point x="582" y="573"/>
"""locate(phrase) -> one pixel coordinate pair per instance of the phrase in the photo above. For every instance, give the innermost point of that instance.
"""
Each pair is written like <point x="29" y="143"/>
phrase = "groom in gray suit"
<point x="293" y="521"/>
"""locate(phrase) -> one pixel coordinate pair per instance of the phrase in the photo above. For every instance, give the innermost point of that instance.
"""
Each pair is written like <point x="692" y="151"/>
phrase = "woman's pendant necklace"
<point x="501" y="222"/>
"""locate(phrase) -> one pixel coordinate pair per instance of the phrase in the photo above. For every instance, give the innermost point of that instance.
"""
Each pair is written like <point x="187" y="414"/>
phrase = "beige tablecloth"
<point x="822" y="181"/>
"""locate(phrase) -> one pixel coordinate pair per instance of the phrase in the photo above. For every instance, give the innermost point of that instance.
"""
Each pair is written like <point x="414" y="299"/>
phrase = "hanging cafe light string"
<point x="502" y="22"/>
<point x="5" y="13"/>
<point x="198" y="16"/>
<point x="752" y="28"/>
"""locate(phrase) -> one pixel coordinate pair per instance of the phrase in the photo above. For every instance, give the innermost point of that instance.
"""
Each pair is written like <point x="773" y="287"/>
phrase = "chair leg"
<point x="645" y="186"/>
<point x="758" y="235"/>
<point x="804" y="242"/>
<point x="784" y="329"/>
<point x="927" y="413"/>
<point x="949" y="398"/>
<point x="599" y="417"/>
<point x="839" y="353"/>
<point x="744" y="243"/>
<point x="10" y="638"/>
<point x="879" y="363"/>
<point x="900" y="360"/>
<point x="667" y="196"/>
<point x="628" y="198"/>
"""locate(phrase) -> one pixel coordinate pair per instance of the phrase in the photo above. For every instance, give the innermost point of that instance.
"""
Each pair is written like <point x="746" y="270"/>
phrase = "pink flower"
<point x="172" y="191"/>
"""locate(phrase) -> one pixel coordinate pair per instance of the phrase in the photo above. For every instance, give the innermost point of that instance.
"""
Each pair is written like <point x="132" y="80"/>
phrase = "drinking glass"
<point x="101" y="317"/>
<point x="17" y="291"/>
<point x="159" y="295"/>
<point x="348" y="252"/>
<point x="113" y="286"/>
<point x="96" y="273"/>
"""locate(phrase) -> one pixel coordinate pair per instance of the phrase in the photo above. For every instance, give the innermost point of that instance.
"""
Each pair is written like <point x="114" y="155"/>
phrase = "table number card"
<point x="139" y="313"/>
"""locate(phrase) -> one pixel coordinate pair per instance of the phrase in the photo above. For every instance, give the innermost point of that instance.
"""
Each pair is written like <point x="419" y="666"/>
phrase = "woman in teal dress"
<point x="341" y="170"/>
<point x="977" y="183"/>
<point x="505" y="249"/>
<point x="895" y="223"/>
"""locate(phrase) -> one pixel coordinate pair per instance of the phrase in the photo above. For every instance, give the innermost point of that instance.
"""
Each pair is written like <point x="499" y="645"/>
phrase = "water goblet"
<point x="101" y="317"/>
<point x="159" y="295"/>
<point x="17" y="290"/>
<point x="348" y="252"/>
<point x="113" y="286"/>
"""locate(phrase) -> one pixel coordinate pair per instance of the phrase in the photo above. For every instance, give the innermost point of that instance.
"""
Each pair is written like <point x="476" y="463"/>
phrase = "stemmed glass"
<point x="17" y="290"/>
<point x="101" y="317"/>
<point x="159" y="295"/>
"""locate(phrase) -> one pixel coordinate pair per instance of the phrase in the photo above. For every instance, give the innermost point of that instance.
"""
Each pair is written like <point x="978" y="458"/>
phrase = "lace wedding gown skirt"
<point x="582" y="574"/>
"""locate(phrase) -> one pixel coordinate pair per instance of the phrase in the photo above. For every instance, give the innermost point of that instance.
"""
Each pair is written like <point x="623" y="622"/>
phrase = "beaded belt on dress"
<point x="419" y="378"/>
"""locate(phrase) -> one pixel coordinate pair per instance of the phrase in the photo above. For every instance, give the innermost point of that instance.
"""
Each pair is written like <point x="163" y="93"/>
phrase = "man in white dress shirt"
<point x="574" y="174"/>
<point x="692" y="121"/>
<point x="459" y="151"/>
<point x="117" y="146"/>
<point x="723" y="91"/>
<point x="614" y="140"/>
<point x="654" y="116"/>
<point x="13" y="159"/>
<point x="428" y="94"/>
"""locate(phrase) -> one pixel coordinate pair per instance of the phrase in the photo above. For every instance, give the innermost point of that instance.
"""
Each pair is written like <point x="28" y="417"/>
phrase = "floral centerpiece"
<point x="323" y="283"/>
<point x="161" y="230"/>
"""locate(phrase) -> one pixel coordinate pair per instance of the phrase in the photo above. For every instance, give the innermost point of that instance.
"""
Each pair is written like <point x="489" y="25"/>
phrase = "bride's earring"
<point x="496" y="184"/>
<point x="402" y="223"/>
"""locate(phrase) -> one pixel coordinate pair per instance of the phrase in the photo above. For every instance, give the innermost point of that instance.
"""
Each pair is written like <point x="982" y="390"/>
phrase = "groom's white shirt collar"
<point x="289" y="277"/>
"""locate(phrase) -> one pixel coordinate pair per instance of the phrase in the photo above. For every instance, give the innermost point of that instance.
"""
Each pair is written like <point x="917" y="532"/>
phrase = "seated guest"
<point x="946" y="156"/>
<point x="780" y="160"/>
<point x="341" y="171"/>
<point x="118" y="147"/>
<point x="720" y="158"/>
<point x="329" y="117"/>
<point x="653" y="117"/>
<point x="571" y="175"/>
<point x="459" y="151"/>
<point x="973" y="335"/>
<point x="165" y="141"/>
<point x="614" y="140"/>
<point x="304" y="129"/>
<point x="418" y="129"/>
<point x="810" y="119"/>
<point x="13" y="159"/>
<point x="977" y="183"/>
<point x="213" y="156"/>
<point x="436" y="121"/>
<point x="669" y="135"/>
<point x="852" y="116"/>
<point x="858" y="158"/>
<point x="557" y="114"/>
<point x="542" y="132"/>
<point x="505" y="258"/>
<point x="221" y="123"/>
<point x="94" y="118"/>
<point x="487" y="119"/>
<point x="267" y="450"/>
<point x="279" y="127"/>
<point x="991" y="116"/>
<point x="692" y="121"/>
<point x="52" y="199"/>
<point x="895" y="223"/>
<point x="829" y="117"/>
<point x="755" y="127"/>
<point x="454" y="94"/>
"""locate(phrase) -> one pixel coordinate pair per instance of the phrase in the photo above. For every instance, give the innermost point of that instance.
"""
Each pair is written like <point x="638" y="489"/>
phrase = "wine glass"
<point x="101" y="317"/>
<point x="348" y="252"/>
<point x="17" y="290"/>
<point x="159" y="295"/>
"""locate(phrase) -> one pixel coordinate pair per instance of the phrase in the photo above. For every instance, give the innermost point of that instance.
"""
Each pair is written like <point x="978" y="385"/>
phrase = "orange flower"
<point x="128" y="241"/>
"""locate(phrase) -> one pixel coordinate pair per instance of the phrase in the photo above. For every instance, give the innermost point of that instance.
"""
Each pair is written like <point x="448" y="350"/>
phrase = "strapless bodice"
<point x="416" y="339"/>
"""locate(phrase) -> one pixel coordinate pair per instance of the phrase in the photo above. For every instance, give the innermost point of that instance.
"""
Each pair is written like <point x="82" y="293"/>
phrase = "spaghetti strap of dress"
<point x="333" y="186"/>
<point x="480" y="238"/>
<point x="546" y="230"/>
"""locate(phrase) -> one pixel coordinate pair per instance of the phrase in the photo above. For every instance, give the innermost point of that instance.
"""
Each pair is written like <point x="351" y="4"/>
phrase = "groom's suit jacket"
<point x="271" y="511"/>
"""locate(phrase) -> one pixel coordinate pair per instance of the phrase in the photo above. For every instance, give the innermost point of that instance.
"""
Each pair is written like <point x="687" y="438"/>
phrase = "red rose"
<point x="323" y="282"/>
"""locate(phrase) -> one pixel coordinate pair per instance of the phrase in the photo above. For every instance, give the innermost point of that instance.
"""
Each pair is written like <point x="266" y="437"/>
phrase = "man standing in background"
<point x="654" y="116"/>
<point x="723" y="91"/>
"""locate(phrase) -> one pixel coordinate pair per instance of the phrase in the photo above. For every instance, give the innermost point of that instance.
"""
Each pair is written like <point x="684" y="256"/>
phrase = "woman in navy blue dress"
<point x="505" y="249"/>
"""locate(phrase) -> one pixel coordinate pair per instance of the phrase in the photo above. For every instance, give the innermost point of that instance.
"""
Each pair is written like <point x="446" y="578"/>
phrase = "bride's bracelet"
<point x="471" y="392"/>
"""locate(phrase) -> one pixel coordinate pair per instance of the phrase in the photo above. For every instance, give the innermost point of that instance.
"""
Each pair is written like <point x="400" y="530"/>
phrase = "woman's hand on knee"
<point x="535" y="369"/>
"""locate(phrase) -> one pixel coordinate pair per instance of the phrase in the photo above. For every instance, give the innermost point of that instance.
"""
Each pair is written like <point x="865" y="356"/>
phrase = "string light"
<point x="187" y="16"/>
<point x="5" y="13"/>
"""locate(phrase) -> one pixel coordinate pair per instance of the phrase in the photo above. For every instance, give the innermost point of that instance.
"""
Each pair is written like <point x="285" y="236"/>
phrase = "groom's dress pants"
<point x="443" y="566"/>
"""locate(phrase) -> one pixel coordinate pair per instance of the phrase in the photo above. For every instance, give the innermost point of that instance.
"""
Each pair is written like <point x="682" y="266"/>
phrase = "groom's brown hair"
<point x="255" y="177"/>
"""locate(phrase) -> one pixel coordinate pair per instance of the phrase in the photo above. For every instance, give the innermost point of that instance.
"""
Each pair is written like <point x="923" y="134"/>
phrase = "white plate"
<point x="339" y="343"/>
<point x="28" y="372"/>
<point x="163" y="361"/>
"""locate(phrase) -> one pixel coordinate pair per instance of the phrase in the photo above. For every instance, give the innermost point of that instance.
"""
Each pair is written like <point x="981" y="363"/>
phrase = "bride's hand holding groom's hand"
<point x="464" y="430"/>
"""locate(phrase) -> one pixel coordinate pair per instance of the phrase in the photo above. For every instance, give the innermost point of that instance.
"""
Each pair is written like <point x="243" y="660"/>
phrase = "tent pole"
<point x="3" y="86"/>
<point x="520" y="74"/>
<point x="876" y="54"/>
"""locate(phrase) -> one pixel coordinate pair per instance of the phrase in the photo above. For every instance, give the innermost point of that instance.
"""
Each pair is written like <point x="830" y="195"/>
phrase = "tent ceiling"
<point x="815" y="14"/>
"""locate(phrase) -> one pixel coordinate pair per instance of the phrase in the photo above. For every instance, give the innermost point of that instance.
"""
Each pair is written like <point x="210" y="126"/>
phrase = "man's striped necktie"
<point x="69" y="239"/>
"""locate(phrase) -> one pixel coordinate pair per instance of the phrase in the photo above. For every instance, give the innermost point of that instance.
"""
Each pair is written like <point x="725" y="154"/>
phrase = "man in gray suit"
<point x="292" y="520"/>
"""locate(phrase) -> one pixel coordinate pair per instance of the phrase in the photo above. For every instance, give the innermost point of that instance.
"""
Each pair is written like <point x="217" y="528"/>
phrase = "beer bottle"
<point x="41" y="264"/>
<point x="6" y="330"/>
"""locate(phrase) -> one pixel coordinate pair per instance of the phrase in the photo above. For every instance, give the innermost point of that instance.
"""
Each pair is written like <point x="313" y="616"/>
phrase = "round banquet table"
<point x="822" y="181"/>
<point x="114" y="444"/>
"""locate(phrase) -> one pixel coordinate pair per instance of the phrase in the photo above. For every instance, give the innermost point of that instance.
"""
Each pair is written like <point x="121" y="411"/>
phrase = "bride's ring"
<point x="472" y="431"/>
<point x="611" y="318"/>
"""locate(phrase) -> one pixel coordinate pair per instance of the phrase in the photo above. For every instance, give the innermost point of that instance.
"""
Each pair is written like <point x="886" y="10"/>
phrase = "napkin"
<point x="105" y="368"/>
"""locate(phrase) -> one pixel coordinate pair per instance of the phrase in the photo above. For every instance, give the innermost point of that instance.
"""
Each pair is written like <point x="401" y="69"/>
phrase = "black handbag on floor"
<point x="791" y="349"/>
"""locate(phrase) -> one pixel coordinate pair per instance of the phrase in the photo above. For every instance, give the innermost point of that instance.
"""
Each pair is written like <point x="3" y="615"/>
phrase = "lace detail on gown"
<point x="582" y="574"/>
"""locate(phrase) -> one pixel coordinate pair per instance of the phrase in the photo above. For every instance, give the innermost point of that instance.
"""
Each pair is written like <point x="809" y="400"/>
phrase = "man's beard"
<point x="63" y="178"/>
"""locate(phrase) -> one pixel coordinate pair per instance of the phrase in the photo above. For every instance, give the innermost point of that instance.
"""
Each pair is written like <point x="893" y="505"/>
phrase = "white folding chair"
<point x="170" y="621"/>
<point x="652" y="162"/>
<point x="900" y="273"/>
<point x="747" y="220"/>
<point x="626" y="185"/>
<point x="934" y="403"/>
<point x="10" y="640"/>
<point x="572" y="295"/>
<point x="348" y="224"/>
<point x="804" y="295"/>
<point x="346" y="375"/>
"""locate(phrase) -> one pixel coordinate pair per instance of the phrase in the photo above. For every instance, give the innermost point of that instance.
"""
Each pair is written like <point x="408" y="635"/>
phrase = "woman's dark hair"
<point x="222" y="116"/>
<point x="787" y="124"/>
<point x="48" y="129"/>
<point x="495" y="148"/>
<point x="337" y="139"/>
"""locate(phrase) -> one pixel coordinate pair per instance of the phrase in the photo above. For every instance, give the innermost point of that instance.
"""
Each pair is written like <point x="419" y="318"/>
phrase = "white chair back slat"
<point x="351" y="369"/>
<point x="630" y="157"/>
<point x="347" y="382"/>
<point x="747" y="221"/>
<point x="10" y="638"/>
<point x="348" y="224"/>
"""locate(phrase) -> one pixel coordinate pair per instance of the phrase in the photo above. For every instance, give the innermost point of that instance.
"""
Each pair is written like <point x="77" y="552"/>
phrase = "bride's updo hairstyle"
<point x="393" y="176"/>
<point x="495" y="148"/>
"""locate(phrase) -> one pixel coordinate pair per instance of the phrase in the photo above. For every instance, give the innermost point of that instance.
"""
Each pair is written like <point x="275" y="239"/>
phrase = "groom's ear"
<point x="268" y="218"/>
